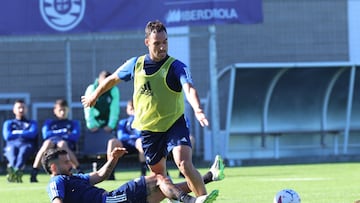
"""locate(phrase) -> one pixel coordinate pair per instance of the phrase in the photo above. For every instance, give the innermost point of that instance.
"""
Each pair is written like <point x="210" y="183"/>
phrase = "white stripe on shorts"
<point x="117" y="198"/>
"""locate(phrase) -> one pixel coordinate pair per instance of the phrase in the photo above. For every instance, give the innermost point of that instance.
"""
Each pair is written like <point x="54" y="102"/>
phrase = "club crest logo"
<point x="62" y="15"/>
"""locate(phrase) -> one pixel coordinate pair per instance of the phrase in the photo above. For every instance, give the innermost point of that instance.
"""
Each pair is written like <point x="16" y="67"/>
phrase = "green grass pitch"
<point x="315" y="183"/>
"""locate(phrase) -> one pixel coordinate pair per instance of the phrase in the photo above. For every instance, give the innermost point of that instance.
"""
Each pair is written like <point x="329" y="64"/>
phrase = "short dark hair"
<point x="21" y="101"/>
<point x="104" y="73"/>
<point x="50" y="156"/>
<point x="154" y="26"/>
<point x="62" y="103"/>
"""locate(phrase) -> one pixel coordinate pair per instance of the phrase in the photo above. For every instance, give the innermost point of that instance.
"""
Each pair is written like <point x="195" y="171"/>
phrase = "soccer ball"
<point x="287" y="196"/>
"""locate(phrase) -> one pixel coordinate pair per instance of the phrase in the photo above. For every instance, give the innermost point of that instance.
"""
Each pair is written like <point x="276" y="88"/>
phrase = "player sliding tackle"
<point x="78" y="188"/>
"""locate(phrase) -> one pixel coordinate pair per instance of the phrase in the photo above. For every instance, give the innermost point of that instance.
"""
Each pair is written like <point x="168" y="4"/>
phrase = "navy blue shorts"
<point x="133" y="191"/>
<point x="157" y="145"/>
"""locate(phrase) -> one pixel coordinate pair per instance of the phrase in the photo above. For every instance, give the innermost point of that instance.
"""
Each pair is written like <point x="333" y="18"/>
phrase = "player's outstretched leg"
<point x="208" y="198"/>
<point x="215" y="173"/>
<point x="217" y="169"/>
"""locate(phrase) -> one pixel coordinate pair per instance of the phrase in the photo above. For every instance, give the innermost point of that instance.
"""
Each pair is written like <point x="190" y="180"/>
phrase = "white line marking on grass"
<point x="293" y="179"/>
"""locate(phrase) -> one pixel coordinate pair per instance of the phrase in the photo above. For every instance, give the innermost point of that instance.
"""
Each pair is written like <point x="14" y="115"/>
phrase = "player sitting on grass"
<point x="66" y="187"/>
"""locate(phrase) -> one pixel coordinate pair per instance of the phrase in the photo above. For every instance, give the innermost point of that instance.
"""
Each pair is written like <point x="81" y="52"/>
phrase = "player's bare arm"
<point x="104" y="172"/>
<point x="193" y="99"/>
<point x="105" y="85"/>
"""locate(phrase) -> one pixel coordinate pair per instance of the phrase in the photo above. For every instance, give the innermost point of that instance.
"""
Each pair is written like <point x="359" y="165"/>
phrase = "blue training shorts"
<point x="133" y="191"/>
<point x="157" y="145"/>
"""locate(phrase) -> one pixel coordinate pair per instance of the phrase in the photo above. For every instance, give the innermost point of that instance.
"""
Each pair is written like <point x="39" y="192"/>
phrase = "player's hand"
<point x="95" y="129"/>
<point x="118" y="152"/>
<point x="87" y="101"/>
<point x="108" y="129"/>
<point x="201" y="117"/>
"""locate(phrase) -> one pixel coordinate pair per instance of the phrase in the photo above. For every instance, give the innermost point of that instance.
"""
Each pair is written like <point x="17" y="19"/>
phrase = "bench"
<point x="278" y="133"/>
<point x="268" y="144"/>
<point x="95" y="144"/>
<point x="94" y="147"/>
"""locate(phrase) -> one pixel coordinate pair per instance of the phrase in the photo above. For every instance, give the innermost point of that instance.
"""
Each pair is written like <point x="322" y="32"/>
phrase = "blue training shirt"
<point x="178" y="75"/>
<point x="77" y="189"/>
<point x="65" y="129"/>
<point x="20" y="129"/>
<point x="125" y="131"/>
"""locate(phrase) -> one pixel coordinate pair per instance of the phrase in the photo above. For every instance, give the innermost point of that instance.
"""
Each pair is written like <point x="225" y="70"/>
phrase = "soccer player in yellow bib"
<point x="160" y="83"/>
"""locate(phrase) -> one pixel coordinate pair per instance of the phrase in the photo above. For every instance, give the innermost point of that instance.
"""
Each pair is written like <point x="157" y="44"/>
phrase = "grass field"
<point x="316" y="183"/>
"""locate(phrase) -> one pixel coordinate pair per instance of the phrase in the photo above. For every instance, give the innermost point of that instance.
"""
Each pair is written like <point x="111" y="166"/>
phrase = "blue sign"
<point x="19" y="17"/>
